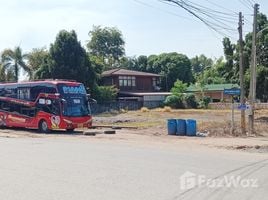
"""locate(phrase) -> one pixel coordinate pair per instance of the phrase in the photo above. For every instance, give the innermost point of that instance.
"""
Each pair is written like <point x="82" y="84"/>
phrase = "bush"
<point x="190" y="101"/>
<point x="174" y="101"/>
<point x="204" y="102"/>
<point x="178" y="88"/>
<point x="104" y="93"/>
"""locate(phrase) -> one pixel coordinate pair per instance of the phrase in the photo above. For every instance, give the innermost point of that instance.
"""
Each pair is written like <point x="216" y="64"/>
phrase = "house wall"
<point x="215" y="96"/>
<point x="143" y="84"/>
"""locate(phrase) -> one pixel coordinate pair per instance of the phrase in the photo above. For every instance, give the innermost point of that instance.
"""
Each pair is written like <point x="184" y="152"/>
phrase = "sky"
<point x="148" y="26"/>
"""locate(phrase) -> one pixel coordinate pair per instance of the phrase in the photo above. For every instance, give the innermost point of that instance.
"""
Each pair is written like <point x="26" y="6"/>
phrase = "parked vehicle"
<point x="45" y="105"/>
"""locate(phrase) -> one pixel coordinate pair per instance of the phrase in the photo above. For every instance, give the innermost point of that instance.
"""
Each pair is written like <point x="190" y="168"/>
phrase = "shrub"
<point x="190" y="101"/>
<point x="178" y="88"/>
<point x="174" y="101"/>
<point x="105" y="93"/>
<point x="204" y="102"/>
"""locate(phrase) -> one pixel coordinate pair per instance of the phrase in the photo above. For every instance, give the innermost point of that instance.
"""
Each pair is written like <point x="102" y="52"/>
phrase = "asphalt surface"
<point x="76" y="168"/>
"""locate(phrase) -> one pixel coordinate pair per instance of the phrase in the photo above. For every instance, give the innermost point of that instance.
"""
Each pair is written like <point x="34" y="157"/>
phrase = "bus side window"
<point x="24" y="93"/>
<point x="4" y="106"/>
<point x="28" y="111"/>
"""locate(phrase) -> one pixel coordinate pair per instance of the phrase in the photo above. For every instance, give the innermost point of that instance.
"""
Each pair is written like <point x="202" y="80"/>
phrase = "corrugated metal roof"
<point x="212" y="87"/>
<point x="126" y="72"/>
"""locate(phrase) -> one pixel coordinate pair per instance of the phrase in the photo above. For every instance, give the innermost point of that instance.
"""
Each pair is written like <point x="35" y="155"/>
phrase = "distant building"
<point x="135" y="85"/>
<point x="214" y="91"/>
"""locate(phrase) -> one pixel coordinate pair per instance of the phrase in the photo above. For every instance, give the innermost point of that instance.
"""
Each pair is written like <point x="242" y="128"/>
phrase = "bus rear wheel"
<point x="43" y="127"/>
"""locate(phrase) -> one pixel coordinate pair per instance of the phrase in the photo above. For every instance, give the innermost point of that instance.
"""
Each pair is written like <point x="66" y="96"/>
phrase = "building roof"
<point x="212" y="87"/>
<point x="126" y="72"/>
<point x="146" y="93"/>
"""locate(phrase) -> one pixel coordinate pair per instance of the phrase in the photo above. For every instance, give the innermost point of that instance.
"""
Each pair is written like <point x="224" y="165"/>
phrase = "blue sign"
<point x="74" y="89"/>
<point x="233" y="91"/>
<point x="243" y="107"/>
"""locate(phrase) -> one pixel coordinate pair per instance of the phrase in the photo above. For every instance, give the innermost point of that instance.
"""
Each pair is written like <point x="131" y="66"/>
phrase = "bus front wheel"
<point x="43" y="127"/>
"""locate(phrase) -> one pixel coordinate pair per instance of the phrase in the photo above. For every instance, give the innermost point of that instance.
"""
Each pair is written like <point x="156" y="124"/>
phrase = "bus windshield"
<point x="76" y="104"/>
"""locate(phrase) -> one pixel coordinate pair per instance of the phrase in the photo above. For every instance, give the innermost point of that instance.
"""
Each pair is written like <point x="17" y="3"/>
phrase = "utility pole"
<point x="252" y="92"/>
<point x="241" y="74"/>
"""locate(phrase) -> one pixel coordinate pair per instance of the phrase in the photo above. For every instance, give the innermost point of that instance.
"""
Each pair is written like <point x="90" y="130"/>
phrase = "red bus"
<point x="45" y="105"/>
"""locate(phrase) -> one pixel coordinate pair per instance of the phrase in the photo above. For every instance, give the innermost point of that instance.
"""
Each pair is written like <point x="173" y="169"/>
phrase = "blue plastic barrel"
<point x="191" y="127"/>
<point x="181" y="127"/>
<point x="172" y="126"/>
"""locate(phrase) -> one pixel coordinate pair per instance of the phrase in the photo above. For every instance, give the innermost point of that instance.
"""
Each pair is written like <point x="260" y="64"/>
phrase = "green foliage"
<point x="104" y="93"/>
<point x="230" y="70"/>
<point x="203" y="103"/>
<point x="174" y="101"/>
<point x="262" y="83"/>
<point x="36" y="59"/>
<point x="190" y="101"/>
<point x="67" y="60"/>
<point x="172" y="67"/>
<point x="178" y="88"/>
<point x="106" y="43"/>
<point x="12" y="62"/>
<point x="201" y="63"/>
<point x="213" y="75"/>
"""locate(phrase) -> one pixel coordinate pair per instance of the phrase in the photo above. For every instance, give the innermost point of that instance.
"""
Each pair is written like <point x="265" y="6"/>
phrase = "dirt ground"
<point x="216" y="123"/>
<point x="150" y="128"/>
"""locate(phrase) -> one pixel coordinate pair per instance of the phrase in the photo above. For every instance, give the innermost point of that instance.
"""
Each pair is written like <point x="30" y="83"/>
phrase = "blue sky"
<point x="148" y="26"/>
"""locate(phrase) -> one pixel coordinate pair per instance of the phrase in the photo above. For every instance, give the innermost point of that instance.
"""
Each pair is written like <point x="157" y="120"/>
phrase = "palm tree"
<point x="13" y="60"/>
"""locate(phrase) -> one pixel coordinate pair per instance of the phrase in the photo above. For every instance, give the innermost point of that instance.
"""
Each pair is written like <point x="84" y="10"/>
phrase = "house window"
<point x="127" y="81"/>
<point x="155" y="81"/>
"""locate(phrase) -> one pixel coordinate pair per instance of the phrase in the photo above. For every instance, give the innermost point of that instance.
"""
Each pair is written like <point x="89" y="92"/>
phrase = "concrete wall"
<point x="127" y="105"/>
<point x="222" y="106"/>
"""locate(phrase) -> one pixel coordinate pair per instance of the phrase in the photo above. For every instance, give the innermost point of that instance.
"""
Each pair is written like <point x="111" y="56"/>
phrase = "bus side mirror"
<point x="63" y="101"/>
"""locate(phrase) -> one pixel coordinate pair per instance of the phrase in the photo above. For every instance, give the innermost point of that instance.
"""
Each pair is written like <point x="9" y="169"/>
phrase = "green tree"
<point x="13" y="61"/>
<point x="68" y="60"/>
<point x="172" y="67"/>
<point x="36" y="59"/>
<point x="106" y="43"/>
<point x="201" y="63"/>
<point x="231" y="68"/>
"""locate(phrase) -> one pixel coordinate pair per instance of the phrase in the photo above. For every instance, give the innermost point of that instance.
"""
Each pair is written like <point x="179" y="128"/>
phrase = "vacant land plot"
<point x="153" y="122"/>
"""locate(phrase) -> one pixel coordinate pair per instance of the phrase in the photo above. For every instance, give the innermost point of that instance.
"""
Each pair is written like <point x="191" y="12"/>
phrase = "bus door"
<point x="49" y="110"/>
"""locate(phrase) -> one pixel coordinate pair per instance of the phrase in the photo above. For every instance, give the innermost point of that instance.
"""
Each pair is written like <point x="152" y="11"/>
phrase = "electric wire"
<point x="220" y="22"/>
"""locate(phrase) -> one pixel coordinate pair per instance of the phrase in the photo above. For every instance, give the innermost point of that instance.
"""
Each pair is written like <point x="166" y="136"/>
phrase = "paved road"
<point x="85" y="168"/>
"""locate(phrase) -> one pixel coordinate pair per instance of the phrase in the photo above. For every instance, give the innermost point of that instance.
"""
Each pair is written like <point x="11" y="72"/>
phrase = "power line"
<point x="162" y="10"/>
<point x="219" y="6"/>
<point x="218" y="21"/>
<point x="245" y="3"/>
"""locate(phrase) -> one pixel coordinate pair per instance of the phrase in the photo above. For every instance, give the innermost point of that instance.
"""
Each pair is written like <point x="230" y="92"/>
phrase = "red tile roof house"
<point x="135" y="85"/>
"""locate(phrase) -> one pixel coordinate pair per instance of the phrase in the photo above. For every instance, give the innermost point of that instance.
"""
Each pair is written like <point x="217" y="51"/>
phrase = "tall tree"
<point x="231" y="70"/>
<point x="106" y="43"/>
<point x="67" y="60"/>
<point x="13" y="61"/>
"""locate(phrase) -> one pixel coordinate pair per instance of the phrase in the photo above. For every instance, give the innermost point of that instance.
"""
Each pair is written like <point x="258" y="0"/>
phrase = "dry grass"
<point x="216" y="122"/>
<point x="144" y="109"/>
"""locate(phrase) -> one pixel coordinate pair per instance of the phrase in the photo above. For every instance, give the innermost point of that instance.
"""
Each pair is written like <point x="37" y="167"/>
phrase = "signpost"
<point x="233" y="92"/>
